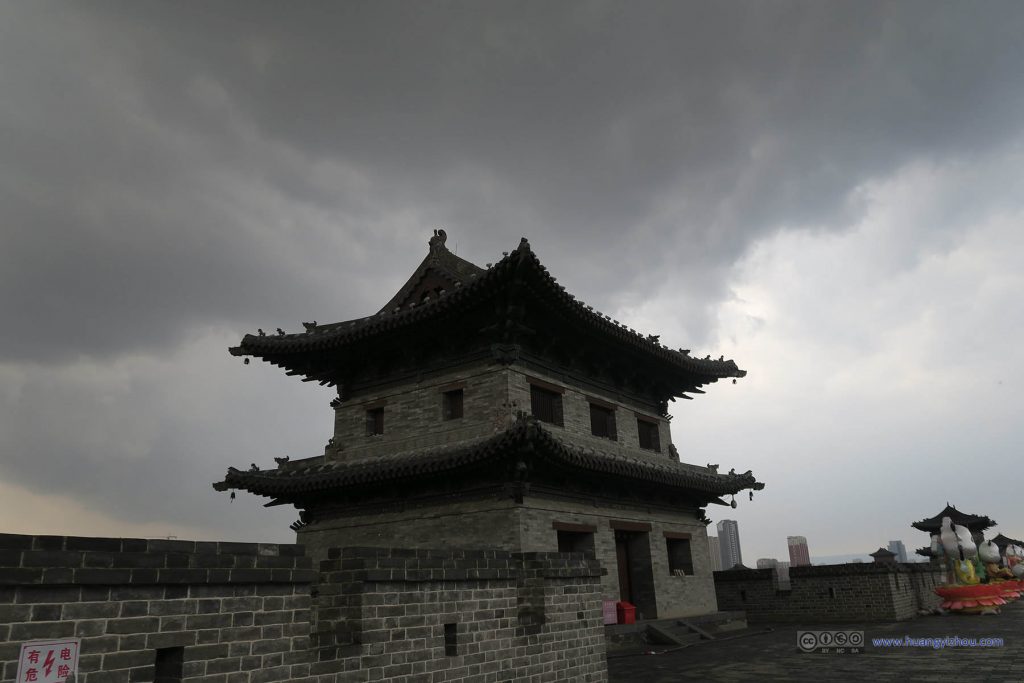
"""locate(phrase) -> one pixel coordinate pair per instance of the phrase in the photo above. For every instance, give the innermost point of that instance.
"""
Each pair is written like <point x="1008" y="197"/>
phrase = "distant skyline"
<point x="832" y="558"/>
<point x="729" y="543"/>
<point x="799" y="554"/>
<point x="715" y="553"/>
<point x="899" y="549"/>
<point x="831" y="194"/>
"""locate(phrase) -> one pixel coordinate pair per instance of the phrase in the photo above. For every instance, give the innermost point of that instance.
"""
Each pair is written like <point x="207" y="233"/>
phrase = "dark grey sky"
<point x="828" y="192"/>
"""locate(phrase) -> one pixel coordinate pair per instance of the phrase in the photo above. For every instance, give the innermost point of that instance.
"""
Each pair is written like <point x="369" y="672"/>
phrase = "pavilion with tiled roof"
<point x="488" y="407"/>
<point x="976" y="524"/>
<point x="1002" y="541"/>
<point x="883" y="555"/>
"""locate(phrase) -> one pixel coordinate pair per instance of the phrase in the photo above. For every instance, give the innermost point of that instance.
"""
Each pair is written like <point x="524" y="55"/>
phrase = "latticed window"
<point x="375" y="421"/>
<point x="647" y="430"/>
<point x="602" y="421"/>
<point x="546" y="405"/>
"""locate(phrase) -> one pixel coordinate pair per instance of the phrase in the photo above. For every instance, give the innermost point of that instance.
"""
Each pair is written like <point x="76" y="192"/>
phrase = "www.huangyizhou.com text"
<point x="937" y="643"/>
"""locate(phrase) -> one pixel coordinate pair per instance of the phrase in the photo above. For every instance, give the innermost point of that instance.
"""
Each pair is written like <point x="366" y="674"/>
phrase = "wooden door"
<point x="622" y="558"/>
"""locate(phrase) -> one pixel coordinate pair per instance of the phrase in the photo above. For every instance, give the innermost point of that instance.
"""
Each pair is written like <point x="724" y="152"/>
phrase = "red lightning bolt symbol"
<point x="48" y="664"/>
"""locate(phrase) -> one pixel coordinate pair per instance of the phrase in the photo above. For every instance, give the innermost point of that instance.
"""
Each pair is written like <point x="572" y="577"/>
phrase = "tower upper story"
<point x="460" y="350"/>
<point x="489" y="381"/>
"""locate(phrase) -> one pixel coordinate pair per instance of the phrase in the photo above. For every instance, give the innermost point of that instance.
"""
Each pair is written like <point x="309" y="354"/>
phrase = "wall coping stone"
<point x="27" y="560"/>
<point x="819" y="570"/>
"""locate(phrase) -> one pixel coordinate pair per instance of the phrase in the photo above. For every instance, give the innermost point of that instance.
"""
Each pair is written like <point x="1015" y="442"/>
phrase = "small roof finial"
<point x="437" y="241"/>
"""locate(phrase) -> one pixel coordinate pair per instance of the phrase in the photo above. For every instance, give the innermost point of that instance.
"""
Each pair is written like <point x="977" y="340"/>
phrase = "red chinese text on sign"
<point x="48" y="661"/>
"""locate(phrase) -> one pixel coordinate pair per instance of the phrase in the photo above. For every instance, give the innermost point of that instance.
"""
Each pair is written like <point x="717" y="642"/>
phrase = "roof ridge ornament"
<point x="437" y="241"/>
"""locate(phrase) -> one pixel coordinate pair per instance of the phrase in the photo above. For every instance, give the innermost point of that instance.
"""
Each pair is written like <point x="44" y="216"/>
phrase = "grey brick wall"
<point x="492" y="396"/>
<point x="924" y="583"/>
<point x="412" y="414"/>
<point x="576" y="412"/>
<point x="844" y="592"/>
<point x="465" y="524"/>
<point x="241" y="611"/>
<point x="514" y="616"/>
<point x="501" y="524"/>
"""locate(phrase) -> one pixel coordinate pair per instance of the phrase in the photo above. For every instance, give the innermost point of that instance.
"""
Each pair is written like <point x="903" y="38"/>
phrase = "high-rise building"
<point x="799" y="556"/>
<point x="715" y="553"/>
<point x="899" y="549"/>
<point x="781" y="570"/>
<point x="729" y="542"/>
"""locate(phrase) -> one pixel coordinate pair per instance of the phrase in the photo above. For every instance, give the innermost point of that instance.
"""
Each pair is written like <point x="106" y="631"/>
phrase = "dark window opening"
<point x="451" y="404"/>
<point x="648" y="433"/>
<point x="576" y="542"/>
<point x="679" y="556"/>
<point x="375" y="421"/>
<point x="451" y="641"/>
<point x="602" y="422"/>
<point x="743" y="596"/>
<point x="831" y="592"/>
<point x="169" y="665"/>
<point x="546" y="405"/>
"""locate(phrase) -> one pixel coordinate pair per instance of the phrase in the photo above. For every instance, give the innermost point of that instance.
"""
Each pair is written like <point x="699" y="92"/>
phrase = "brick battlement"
<point x="257" y="613"/>
<point x="838" y="592"/>
<point x="480" y="601"/>
<point x="391" y="564"/>
<point x="731" y="575"/>
<point x="824" y="570"/>
<point x="74" y="560"/>
<point x="858" y="569"/>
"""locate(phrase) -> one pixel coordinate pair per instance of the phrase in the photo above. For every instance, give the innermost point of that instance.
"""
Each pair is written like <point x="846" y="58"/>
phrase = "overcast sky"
<point x="832" y="194"/>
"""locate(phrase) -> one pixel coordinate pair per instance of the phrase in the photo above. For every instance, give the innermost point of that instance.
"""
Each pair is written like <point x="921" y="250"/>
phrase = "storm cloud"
<point x="736" y="176"/>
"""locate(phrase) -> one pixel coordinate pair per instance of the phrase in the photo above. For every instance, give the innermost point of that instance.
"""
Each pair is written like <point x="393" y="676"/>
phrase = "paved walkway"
<point x="774" y="656"/>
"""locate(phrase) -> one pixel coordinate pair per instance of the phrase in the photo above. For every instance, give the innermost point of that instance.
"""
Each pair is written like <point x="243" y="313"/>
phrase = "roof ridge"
<point x="438" y="259"/>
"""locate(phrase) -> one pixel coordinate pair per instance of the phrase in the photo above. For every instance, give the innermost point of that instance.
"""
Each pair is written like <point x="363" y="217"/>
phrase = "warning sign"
<point x="48" y="661"/>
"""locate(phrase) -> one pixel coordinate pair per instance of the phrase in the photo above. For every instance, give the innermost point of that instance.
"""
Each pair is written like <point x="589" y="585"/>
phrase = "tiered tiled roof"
<point x="975" y="523"/>
<point x="520" y="269"/>
<point x="883" y="555"/>
<point x="295" y="480"/>
<point x="1003" y="541"/>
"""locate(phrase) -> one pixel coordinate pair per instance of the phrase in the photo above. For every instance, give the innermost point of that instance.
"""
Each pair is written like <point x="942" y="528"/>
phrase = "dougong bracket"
<point x="519" y="486"/>
<point x="506" y="354"/>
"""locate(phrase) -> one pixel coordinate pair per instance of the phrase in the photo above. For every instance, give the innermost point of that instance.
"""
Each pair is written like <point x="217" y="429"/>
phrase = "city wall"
<point x="831" y="593"/>
<point x="235" y="612"/>
<point x="229" y="611"/>
<point x="473" y="615"/>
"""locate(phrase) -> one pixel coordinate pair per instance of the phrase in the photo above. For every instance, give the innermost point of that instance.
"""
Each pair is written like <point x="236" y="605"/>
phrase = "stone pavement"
<point x="759" y="655"/>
